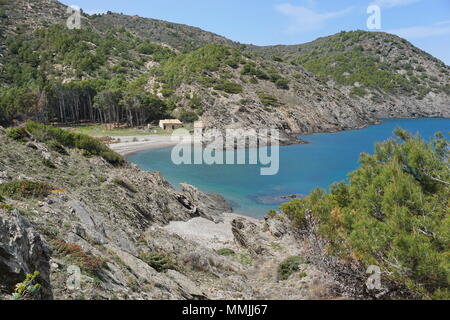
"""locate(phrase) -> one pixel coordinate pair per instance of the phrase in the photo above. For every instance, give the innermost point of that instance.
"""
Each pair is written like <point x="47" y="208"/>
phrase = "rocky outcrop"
<point x="210" y="206"/>
<point x="22" y="252"/>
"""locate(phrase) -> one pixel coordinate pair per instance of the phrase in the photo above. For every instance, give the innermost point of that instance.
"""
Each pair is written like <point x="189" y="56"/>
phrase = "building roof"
<point x="170" y="121"/>
<point x="198" y="124"/>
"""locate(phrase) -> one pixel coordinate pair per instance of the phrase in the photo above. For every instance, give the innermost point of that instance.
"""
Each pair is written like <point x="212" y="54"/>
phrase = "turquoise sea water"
<point x="328" y="158"/>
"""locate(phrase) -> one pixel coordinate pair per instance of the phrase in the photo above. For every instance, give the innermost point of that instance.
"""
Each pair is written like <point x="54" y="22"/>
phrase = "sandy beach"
<point x="132" y="144"/>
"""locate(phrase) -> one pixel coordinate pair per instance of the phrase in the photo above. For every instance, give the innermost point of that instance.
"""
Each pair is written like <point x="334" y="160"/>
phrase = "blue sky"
<point x="426" y="23"/>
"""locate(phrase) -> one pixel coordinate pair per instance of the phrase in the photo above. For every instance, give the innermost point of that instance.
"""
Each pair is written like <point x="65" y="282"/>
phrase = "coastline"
<point x="132" y="144"/>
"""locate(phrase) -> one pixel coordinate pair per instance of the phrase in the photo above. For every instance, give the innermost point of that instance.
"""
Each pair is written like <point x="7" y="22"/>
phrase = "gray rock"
<point x="210" y="206"/>
<point x="22" y="251"/>
<point x="248" y="235"/>
<point x="187" y="287"/>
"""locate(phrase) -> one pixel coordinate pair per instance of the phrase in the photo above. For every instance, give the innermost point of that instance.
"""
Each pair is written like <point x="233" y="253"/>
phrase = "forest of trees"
<point x="32" y="70"/>
<point x="87" y="100"/>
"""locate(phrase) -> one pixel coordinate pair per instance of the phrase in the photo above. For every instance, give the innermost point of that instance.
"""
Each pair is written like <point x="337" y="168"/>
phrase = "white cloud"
<point x="443" y="22"/>
<point x="304" y="19"/>
<point x="393" y="3"/>
<point x="418" y="32"/>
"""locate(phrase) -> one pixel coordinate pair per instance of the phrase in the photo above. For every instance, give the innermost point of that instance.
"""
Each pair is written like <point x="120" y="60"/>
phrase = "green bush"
<point x="282" y="84"/>
<point x="226" y="252"/>
<point x="28" y="289"/>
<point x="56" y="146"/>
<point x="229" y="87"/>
<point x="392" y="213"/>
<point x="18" y="134"/>
<point x="20" y="189"/>
<point x="250" y="69"/>
<point x="188" y="116"/>
<point x="358" y="91"/>
<point x="289" y="266"/>
<point x="245" y="259"/>
<point x="159" y="261"/>
<point x="277" y="59"/>
<point x="268" y="100"/>
<point x="57" y="139"/>
<point x="76" y="255"/>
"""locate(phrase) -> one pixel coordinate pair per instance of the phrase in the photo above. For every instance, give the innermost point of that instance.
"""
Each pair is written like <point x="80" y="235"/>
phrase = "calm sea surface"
<point x="328" y="158"/>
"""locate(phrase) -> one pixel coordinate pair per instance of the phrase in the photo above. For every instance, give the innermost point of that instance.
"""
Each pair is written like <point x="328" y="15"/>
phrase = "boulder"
<point x="22" y="252"/>
<point x="249" y="236"/>
<point x="210" y="206"/>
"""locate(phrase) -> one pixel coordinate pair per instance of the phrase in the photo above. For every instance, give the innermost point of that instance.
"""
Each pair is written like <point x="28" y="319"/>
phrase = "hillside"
<point x="396" y="77"/>
<point x="63" y="207"/>
<point x="137" y="70"/>
<point x="69" y="204"/>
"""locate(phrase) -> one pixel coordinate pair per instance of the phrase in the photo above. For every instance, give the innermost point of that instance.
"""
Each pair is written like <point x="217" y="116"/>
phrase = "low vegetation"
<point x="268" y="100"/>
<point x="226" y="252"/>
<point x="57" y="138"/>
<point x="158" y="261"/>
<point x="343" y="58"/>
<point x="23" y="189"/>
<point x="393" y="213"/>
<point x="194" y="65"/>
<point x="28" y="289"/>
<point x="289" y="266"/>
<point x="86" y="261"/>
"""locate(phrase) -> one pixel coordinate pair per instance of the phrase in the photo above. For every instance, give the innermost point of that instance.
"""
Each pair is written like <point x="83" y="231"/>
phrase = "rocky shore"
<point x="133" y="236"/>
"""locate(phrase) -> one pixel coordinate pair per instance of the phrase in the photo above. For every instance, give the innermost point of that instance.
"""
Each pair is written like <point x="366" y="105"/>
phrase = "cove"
<point x="327" y="159"/>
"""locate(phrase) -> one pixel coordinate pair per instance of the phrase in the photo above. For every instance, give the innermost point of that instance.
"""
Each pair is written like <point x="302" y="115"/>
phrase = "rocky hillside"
<point x="396" y="78"/>
<point x="62" y="210"/>
<point x="178" y="36"/>
<point x="137" y="70"/>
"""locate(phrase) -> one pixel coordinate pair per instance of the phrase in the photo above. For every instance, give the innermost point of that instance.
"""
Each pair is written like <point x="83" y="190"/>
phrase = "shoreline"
<point x="133" y="144"/>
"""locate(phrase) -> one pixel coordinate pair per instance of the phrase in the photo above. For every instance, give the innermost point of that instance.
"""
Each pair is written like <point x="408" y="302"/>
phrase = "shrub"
<point x="18" y="134"/>
<point x="159" y="261"/>
<point x="289" y="266"/>
<point x="277" y="59"/>
<point x="48" y="163"/>
<point x="282" y="84"/>
<point x="229" y="87"/>
<point x="226" y="252"/>
<point x="56" y="146"/>
<point x="268" y="100"/>
<point x="86" y="261"/>
<point x="358" y="91"/>
<point x="6" y="206"/>
<point x="245" y="259"/>
<point x="56" y="139"/>
<point x="393" y="213"/>
<point x="28" y="289"/>
<point x="19" y="189"/>
<point x="188" y="116"/>
<point x="272" y="213"/>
